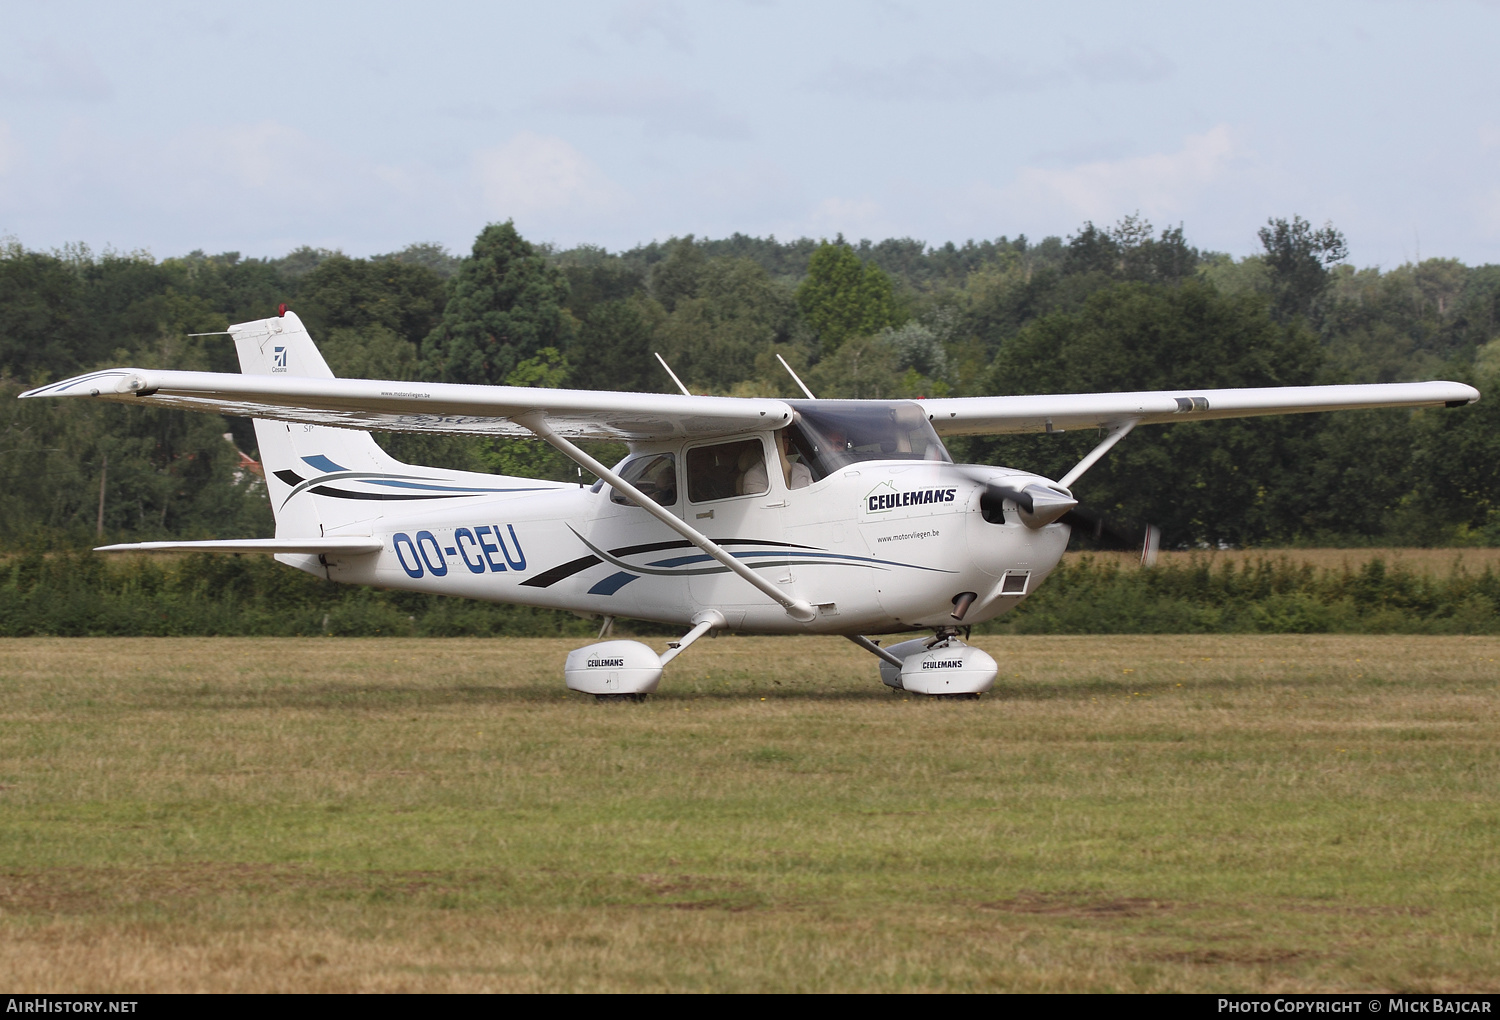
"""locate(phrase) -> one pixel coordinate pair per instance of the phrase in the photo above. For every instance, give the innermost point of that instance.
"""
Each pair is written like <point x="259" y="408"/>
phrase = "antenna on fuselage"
<point x="795" y="378"/>
<point x="673" y="374"/>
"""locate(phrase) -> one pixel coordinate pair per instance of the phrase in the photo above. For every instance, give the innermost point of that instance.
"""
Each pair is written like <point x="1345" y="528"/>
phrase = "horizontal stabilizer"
<point x="347" y="546"/>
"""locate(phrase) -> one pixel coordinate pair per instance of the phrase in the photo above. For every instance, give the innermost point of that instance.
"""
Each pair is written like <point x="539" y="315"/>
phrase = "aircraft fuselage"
<point x="878" y="547"/>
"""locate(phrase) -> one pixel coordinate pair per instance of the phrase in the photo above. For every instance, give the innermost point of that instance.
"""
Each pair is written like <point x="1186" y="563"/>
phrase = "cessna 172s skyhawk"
<point x="767" y="516"/>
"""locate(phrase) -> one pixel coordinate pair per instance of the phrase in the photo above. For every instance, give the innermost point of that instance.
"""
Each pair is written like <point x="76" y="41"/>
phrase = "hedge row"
<point x="1271" y="595"/>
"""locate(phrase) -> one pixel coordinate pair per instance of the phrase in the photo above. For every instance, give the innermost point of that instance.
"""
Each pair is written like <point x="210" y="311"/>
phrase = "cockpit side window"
<point x="727" y="469"/>
<point x="655" y="474"/>
<point x="831" y="434"/>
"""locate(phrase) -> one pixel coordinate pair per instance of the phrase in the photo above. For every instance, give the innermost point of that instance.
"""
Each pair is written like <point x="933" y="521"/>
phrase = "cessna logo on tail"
<point x="885" y="498"/>
<point x="278" y="360"/>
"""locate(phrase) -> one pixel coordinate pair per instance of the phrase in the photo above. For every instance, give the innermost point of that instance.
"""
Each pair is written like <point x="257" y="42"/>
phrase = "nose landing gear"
<point x="941" y="666"/>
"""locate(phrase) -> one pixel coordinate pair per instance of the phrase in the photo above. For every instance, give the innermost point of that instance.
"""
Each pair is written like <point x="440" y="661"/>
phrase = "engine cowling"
<point x="613" y="667"/>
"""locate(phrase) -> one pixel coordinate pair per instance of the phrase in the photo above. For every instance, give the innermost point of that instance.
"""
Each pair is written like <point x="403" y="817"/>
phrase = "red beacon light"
<point x="281" y="310"/>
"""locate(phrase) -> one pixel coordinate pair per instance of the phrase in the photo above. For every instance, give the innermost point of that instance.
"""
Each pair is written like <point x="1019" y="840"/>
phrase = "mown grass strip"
<point x="1122" y="813"/>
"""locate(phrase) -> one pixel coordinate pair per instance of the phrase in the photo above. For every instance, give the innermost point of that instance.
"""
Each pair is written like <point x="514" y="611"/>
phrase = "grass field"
<point x="1122" y="813"/>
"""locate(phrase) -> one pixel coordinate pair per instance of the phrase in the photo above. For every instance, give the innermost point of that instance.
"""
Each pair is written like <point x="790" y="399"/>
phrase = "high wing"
<point x="429" y="407"/>
<point x="977" y="416"/>
<point x="591" y="414"/>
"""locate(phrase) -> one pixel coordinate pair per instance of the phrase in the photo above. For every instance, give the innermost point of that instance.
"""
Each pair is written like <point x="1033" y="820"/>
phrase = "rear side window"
<point x="727" y="470"/>
<point x="654" y="474"/>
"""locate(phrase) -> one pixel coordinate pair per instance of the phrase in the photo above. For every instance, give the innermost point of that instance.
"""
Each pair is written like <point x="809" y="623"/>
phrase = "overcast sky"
<point x="258" y="127"/>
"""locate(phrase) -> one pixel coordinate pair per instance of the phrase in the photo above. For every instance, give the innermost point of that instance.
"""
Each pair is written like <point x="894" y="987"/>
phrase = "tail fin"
<point x="326" y="481"/>
<point x="292" y="454"/>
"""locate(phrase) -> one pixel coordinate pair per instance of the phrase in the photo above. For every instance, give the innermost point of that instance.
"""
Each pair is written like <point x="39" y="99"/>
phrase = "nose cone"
<point x="1047" y="505"/>
<point x="1038" y="505"/>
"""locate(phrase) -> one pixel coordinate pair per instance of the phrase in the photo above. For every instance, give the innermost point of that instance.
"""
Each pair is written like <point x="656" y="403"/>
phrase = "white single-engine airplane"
<point x="765" y="516"/>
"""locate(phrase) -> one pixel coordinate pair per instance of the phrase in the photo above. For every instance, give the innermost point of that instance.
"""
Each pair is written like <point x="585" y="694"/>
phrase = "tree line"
<point x="1116" y="307"/>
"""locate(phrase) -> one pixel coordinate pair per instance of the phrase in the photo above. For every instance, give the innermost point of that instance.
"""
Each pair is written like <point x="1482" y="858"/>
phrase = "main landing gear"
<point x="617" y="671"/>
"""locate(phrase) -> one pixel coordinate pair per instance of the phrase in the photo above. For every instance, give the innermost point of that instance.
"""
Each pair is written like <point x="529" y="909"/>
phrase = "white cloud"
<point x="269" y="158"/>
<point x="50" y="71"/>
<point x="533" y="173"/>
<point x="975" y="75"/>
<point x="1489" y="211"/>
<point x="1162" y="185"/>
<point x="660" y="106"/>
<point x="635" y="20"/>
<point x="10" y="149"/>
<point x="1133" y="65"/>
<point x="853" y="217"/>
<point x="967" y="76"/>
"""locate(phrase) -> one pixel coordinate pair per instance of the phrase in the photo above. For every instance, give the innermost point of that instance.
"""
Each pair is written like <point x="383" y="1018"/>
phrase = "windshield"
<point x="655" y="474"/>
<point x="828" y="434"/>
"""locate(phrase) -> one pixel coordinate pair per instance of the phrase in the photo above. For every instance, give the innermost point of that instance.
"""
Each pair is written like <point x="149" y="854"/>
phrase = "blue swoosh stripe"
<point x="435" y="488"/>
<point x="613" y="583"/>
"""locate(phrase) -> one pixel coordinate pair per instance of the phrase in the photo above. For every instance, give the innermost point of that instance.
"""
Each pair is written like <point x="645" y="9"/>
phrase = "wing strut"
<point x="1116" y="433"/>
<point x="797" y="609"/>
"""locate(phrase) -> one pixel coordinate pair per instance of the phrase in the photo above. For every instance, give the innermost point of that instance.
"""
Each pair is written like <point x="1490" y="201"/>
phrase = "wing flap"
<point x="429" y="407"/>
<point x="346" y="546"/>
<point x="975" y="416"/>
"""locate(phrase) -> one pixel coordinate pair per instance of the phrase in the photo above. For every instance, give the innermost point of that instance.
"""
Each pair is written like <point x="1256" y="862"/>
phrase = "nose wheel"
<point x="941" y="666"/>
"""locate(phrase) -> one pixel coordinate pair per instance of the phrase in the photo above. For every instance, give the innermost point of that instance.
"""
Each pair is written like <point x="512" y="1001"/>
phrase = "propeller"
<point x="1105" y="532"/>
<point x="1039" y="505"/>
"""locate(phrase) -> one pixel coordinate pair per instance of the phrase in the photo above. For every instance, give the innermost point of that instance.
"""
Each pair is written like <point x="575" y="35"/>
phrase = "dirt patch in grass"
<point x="1219" y="957"/>
<point x="1066" y="905"/>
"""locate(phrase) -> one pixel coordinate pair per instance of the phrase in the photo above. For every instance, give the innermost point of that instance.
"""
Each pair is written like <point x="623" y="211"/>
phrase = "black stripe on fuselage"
<point x="323" y="490"/>
<point x="293" y="479"/>
<point x="560" y="572"/>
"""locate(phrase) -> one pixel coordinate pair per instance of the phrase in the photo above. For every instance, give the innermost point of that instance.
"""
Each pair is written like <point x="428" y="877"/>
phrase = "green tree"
<point x="506" y="305"/>
<point x="406" y="298"/>
<point x="1456" y="460"/>
<point x="1233" y="481"/>
<point x="376" y="352"/>
<point x="863" y="368"/>
<point x="844" y="297"/>
<point x="1298" y="258"/>
<point x="676" y="276"/>
<point x="613" y="350"/>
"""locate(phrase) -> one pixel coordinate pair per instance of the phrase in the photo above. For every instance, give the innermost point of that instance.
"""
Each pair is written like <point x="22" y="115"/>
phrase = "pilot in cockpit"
<point x="753" y="479"/>
<point x="796" y="473"/>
